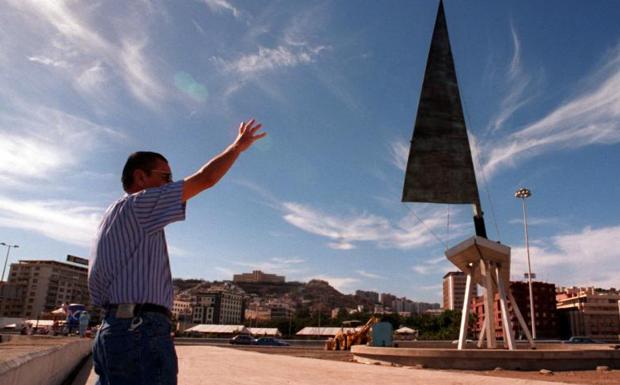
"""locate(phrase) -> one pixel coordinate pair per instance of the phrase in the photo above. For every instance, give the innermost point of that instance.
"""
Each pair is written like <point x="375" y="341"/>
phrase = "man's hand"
<point x="247" y="135"/>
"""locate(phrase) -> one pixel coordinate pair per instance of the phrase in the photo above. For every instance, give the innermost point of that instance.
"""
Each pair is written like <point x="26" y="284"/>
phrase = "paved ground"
<point x="224" y="366"/>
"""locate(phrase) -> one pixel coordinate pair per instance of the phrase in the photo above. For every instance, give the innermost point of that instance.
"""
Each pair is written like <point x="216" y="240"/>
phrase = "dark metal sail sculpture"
<point x="440" y="170"/>
<point x="440" y="167"/>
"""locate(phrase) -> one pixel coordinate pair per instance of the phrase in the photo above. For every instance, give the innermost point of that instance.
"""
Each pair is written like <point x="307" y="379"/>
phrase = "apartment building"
<point x="11" y="299"/>
<point x="45" y="286"/>
<point x="257" y="276"/>
<point x="589" y="312"/>
<point x="454" y="290"/>
<point x="182" y="308"/>
<point x="370" y="296"/>
<point x="546" y="318"/>
<point x="217" y="306"/>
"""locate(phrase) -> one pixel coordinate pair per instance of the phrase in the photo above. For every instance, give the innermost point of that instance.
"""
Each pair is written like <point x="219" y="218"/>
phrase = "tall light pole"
<point x="524" y="193"/>
<point x="6" y="259"/>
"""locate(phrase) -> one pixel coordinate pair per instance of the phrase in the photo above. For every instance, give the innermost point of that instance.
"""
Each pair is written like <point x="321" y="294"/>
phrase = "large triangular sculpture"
<point x="440" y="170"/>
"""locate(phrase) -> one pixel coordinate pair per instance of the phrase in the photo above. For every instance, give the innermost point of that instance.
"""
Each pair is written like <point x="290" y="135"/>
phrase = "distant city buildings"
<point x="387" y="298"/>
<point x="404" y="306"/>
<point x="258" y="276"/>
<point x="36" y="287"/>
<point x="589" y="312"/>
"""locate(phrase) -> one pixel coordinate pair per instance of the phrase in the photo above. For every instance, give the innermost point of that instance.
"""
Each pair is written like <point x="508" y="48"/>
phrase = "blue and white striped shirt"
<point x="129" y="259"/>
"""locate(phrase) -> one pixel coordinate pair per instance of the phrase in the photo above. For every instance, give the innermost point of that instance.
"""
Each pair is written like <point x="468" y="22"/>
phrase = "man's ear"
<point x="139" y="177"/>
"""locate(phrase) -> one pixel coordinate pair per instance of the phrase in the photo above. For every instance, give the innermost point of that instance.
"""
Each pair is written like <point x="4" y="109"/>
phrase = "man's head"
<point x="145" y="169"/>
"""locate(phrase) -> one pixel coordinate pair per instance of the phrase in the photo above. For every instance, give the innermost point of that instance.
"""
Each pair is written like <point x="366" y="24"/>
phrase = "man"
<point x="130" y="272"/>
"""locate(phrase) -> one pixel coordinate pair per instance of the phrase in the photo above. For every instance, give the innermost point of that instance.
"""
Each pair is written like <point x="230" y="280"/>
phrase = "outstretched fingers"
<point x="248" y="132"/>
<point x="261" y="135"/>
<point x="244" y="126"/>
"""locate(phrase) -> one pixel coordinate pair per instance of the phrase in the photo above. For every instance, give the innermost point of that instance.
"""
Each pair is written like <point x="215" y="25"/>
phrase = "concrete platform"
<point x="556" y="357"/>
<point x="224" y="366"/>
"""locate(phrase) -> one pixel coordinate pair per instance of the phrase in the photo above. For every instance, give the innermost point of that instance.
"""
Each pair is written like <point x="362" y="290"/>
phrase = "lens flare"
<point x="186" y="84"/>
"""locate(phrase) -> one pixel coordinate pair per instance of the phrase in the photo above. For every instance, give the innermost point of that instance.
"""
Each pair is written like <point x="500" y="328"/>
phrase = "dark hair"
<point x="140" y="160"/>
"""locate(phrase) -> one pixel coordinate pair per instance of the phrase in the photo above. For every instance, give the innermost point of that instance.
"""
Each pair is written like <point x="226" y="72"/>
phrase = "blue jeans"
<point x="136" y="351"/>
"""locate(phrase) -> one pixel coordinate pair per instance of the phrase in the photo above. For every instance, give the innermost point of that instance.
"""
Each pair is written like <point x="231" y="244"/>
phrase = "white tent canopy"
<point x="234" y="329"/>
<point x="272" y="332"/>
<point x="219" y="329"/>
<point x="406" y="330"/>
<point x="327" y="331"/>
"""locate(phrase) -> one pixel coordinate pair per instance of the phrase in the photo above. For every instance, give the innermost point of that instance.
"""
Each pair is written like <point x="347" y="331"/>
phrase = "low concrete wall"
<point x="572" y="358"/>
<point x="48" y="362"/>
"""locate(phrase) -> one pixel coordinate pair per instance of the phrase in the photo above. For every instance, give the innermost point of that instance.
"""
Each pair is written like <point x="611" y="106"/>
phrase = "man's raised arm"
<point x="216" y="168"/>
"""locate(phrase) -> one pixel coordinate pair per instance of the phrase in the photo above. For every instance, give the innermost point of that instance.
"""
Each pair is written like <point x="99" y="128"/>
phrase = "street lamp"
<point x="522" y="194"/>
<point x="8" y="250"/>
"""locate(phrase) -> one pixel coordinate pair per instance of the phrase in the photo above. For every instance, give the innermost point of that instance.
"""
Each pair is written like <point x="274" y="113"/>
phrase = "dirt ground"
<point x="593" y="377"/>
<point x="590" y="377"/>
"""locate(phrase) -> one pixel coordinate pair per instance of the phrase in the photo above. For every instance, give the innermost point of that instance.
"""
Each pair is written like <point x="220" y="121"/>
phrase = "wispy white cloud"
<point x="399" y="154"/>
<point x="288" y="261"/>
<point x="199" y="28"/>
<point x="342" y="284"/>
<point x="177" y="251"/>
<point x="366" y="274"/>
<point x="48" y="61"/>
<point x="591" y="117"/>
<point x="519" y="83"/>
<point x="424" y="226"/>
<point x="137" y="73"/>
<point x="269" y="59"/>
<point x="589" y="255"/>
<point x="535" y="221"/>
<point x="74" y="44"/>
<point x="36" y="140"/>
<point x="222" y="6"/>
<point x="347" y="230"/>
<point x="434" y="266"/>
<point x="65" y="221"/>
<point x="92" y="78"/>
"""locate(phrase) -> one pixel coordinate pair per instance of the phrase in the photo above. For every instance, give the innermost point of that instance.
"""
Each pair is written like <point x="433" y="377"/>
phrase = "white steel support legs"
<point x="506" y="324"/>
<point x="492" y="279"/>
<point x="489" y="305"/>
<point x="487" y="263"/>
<point x="465" y="312"/>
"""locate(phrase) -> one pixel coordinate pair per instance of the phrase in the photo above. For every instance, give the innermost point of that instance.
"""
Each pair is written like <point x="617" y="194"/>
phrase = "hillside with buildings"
<point x="260" y="298"/>
<point x="36" y="288"/>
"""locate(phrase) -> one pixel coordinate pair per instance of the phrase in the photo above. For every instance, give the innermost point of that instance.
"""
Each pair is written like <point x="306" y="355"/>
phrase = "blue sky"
<point x="336" y="86"/>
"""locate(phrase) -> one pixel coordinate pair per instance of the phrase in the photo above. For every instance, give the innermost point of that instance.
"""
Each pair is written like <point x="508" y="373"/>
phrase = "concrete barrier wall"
<point x="583" y="358"/>
<point x="49" y="366"/>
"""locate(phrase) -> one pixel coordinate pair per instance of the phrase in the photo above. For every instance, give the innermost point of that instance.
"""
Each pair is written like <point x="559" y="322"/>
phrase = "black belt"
<point x="130" y="310"/>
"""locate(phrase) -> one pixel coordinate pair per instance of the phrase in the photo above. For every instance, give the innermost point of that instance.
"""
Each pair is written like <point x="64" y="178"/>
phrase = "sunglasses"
<point x="167" y="176"/>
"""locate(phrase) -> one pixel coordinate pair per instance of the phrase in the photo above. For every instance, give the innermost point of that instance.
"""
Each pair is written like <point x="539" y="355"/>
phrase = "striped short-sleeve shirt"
<point x="129" y="259"/>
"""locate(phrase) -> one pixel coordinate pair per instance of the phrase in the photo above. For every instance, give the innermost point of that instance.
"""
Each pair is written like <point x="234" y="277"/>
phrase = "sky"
<point x="336" y="86"/>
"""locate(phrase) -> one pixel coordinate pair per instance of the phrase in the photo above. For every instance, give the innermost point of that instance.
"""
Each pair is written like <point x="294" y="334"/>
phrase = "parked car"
<point x="581" y="340"/>
<point x="270" y="341"/>
<point x="242" y="339"/>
